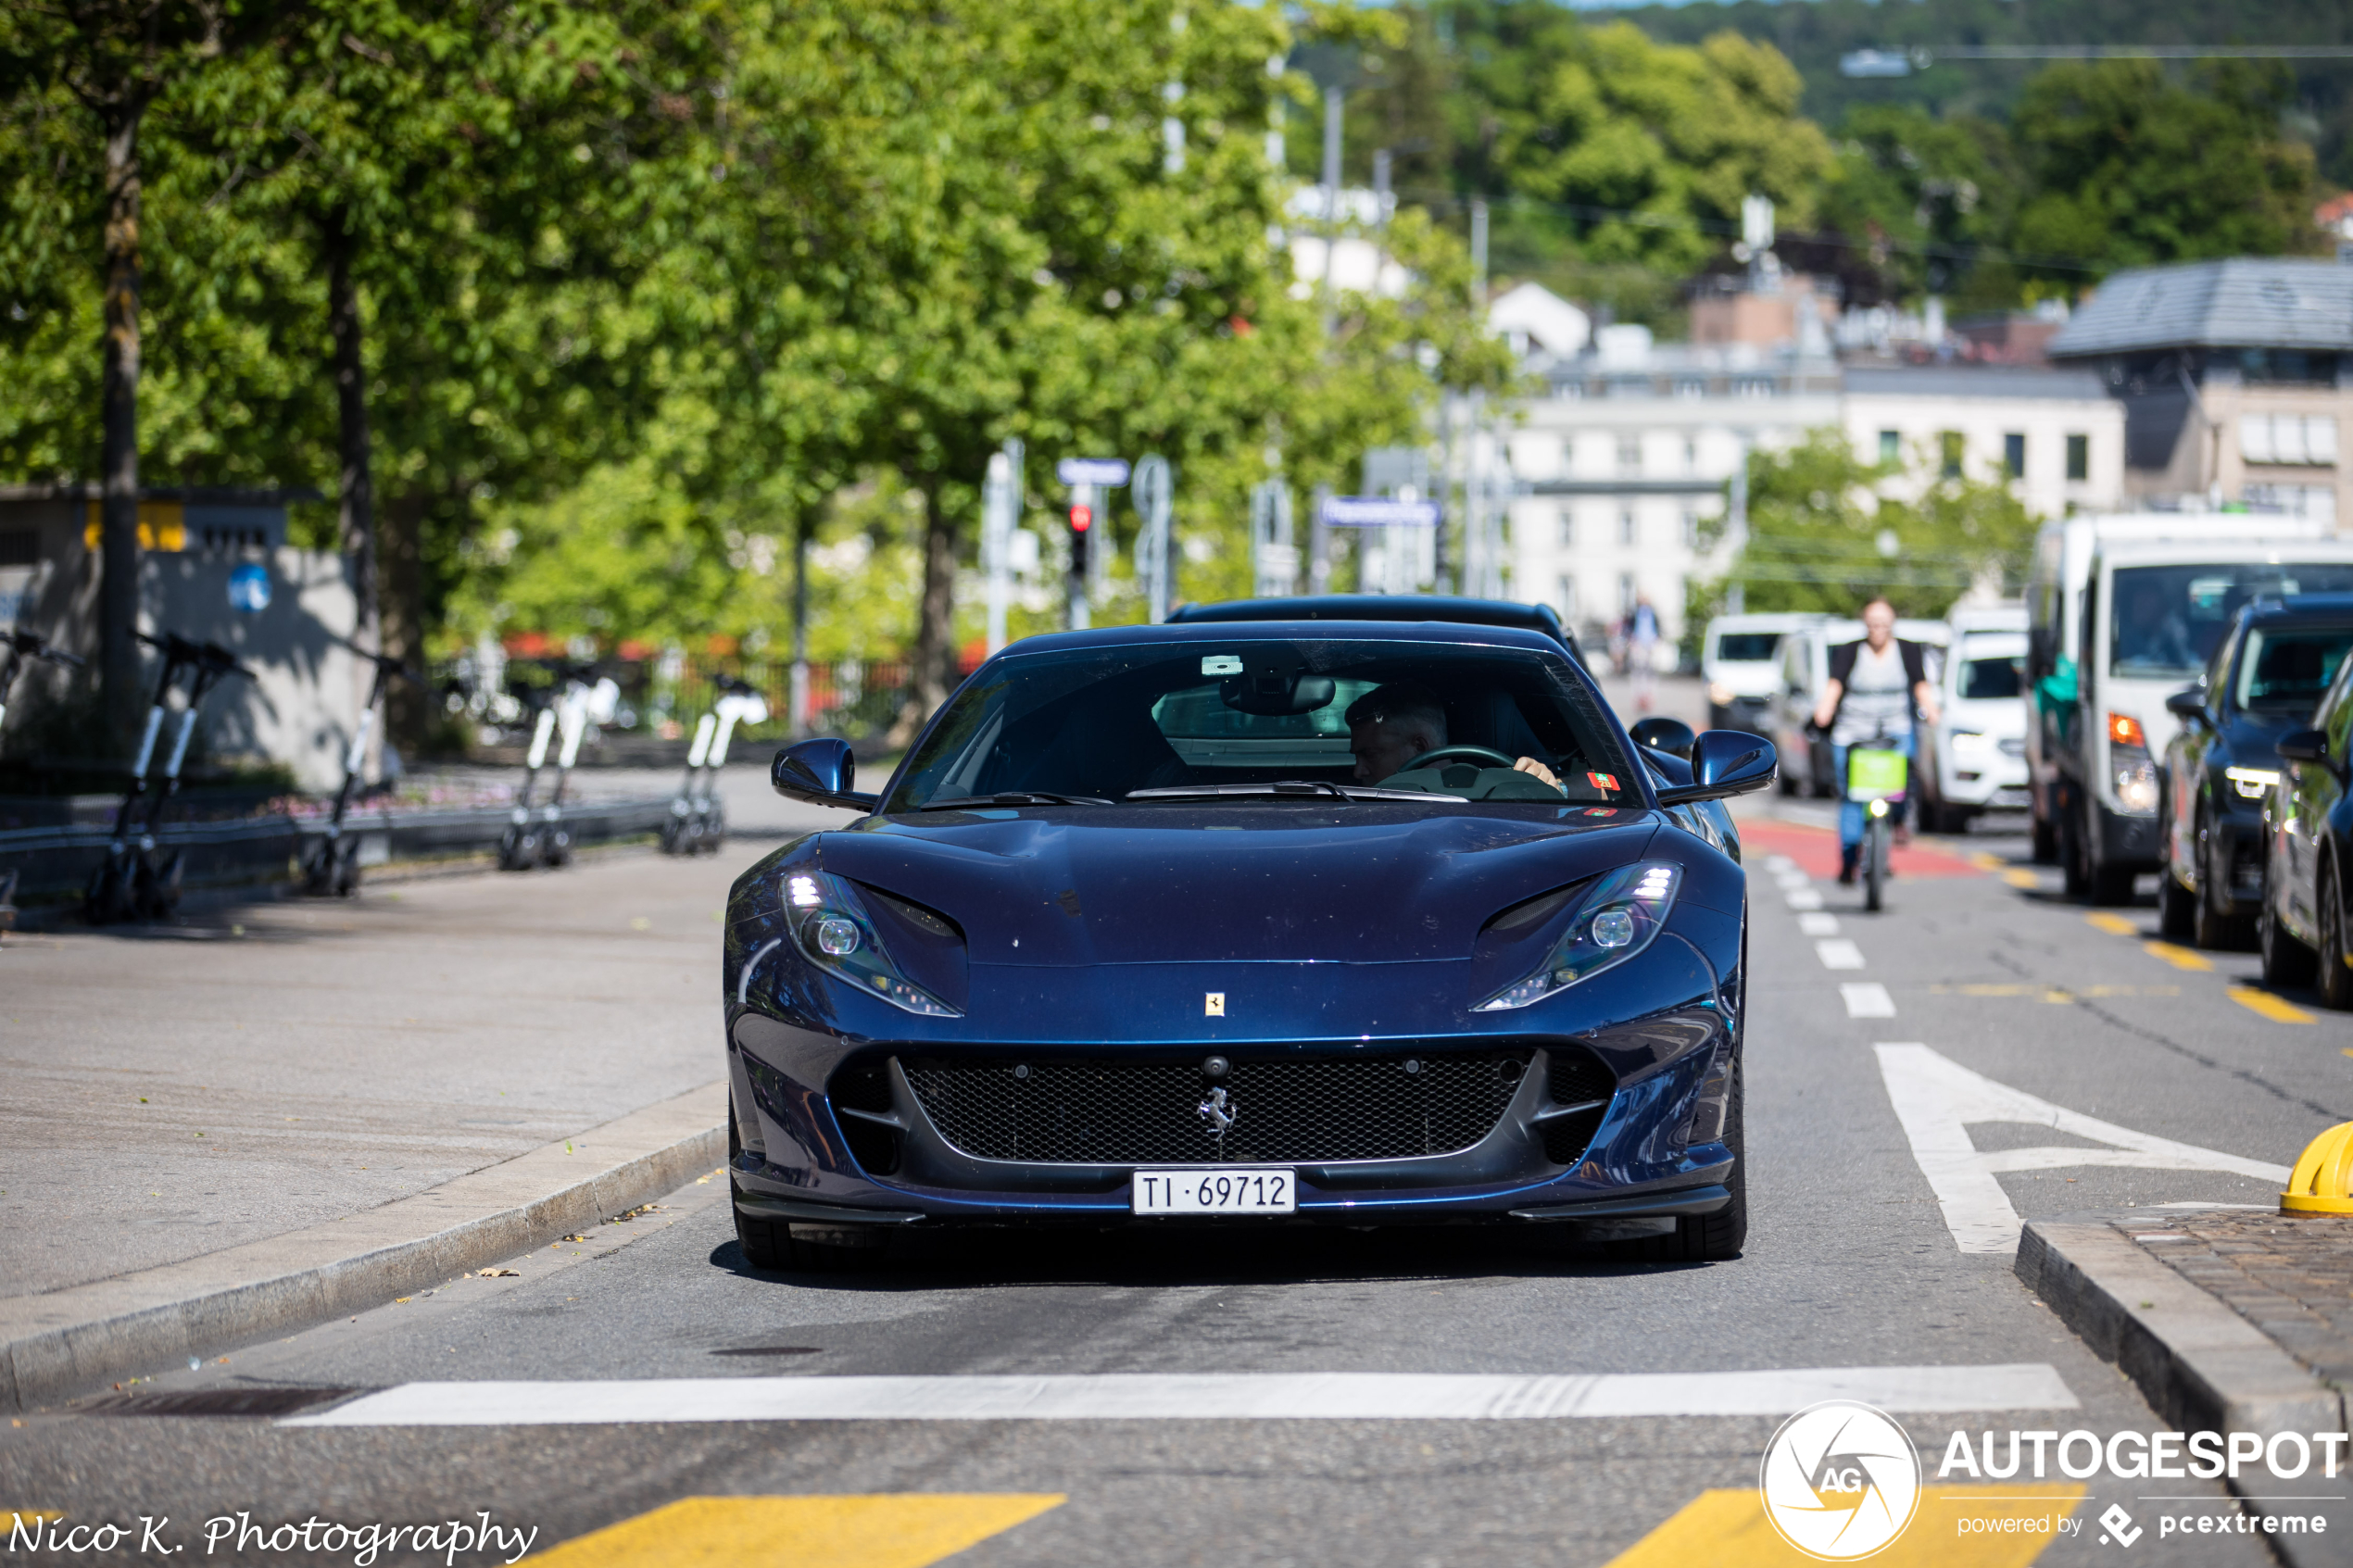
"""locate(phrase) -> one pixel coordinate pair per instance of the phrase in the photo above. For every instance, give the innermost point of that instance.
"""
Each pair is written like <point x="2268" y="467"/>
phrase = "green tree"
<point x="1925" y="198"/>
<point x="1828" y="531"/>
<point x="2129" y="168"/>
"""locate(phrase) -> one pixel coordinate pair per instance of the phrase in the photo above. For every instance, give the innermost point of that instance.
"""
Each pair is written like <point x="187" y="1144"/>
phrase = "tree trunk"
<point x="118" y="463"/>
<point x="356" y="495"/>
<point x="930" y="678"/>
<point x="401" y="614"/>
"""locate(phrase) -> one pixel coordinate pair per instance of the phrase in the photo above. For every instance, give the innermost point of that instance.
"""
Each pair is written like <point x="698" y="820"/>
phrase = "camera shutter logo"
<point x="1840" y="1481"/>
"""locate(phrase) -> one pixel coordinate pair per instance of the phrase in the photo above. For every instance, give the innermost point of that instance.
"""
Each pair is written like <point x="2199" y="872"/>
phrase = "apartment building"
<point x="2057" y="435"/>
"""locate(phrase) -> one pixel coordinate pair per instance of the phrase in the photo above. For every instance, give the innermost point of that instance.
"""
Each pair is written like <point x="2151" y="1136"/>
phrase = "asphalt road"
<point x="2093" y="1072"/>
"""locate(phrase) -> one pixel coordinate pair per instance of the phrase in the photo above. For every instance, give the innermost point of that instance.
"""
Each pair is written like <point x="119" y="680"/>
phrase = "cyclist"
<point x="1874" y="687"/>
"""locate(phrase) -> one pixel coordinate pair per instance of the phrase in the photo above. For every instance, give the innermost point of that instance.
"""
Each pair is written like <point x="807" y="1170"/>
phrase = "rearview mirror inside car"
<point x="819" y="772"/>
<point x="2304" y="745"/>
<point x="1725" y="762"/>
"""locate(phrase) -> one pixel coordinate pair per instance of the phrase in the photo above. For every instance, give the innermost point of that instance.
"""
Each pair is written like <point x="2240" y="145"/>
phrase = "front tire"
<point x="2176" y="909"/>
<point x="1718" y="1238"/>
<point x="2336" y="980"/>
<point x="2287" y="961"/>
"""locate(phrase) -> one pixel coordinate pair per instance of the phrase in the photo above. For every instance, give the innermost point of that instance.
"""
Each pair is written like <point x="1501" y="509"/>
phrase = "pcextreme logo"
<point x="1840" y="1481"/>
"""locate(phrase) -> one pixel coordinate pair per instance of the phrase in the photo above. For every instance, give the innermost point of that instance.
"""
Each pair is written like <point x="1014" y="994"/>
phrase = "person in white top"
<point x="1874" y="688"/>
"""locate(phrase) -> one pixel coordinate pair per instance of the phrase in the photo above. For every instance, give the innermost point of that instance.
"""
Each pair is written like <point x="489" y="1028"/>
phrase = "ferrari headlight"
<point x="1618" y="916"/>
<point x="2251" y="782"/>
<point x="838" y="935"/>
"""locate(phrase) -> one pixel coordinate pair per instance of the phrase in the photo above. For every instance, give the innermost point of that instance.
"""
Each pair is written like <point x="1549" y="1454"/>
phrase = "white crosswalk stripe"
<point x="1203" y="1397"/>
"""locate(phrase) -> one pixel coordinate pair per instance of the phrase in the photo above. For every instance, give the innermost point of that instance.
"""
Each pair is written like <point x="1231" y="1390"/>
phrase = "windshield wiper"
<point x="1319" y="788"/>
<point x="1013" y="797"/>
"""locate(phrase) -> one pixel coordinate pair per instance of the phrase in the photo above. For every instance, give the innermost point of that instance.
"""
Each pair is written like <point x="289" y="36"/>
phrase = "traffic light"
<point x="1082" y="518"/>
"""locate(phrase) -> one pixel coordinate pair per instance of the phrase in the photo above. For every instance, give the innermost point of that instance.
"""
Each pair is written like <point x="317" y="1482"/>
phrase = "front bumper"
<point x="1995" y="780"/>
<point x="835" y="1133"/>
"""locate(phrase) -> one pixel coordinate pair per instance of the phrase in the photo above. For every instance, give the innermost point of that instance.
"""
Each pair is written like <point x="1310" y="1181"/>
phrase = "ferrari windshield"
<point x="1247" y="719"/>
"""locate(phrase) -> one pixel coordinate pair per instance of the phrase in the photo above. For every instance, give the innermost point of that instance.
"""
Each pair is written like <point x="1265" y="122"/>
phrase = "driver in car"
<point x="1391" y="725"/>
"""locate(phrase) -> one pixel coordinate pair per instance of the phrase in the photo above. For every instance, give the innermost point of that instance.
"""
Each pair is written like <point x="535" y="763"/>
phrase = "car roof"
<point x="1179" y="633"/>
<point x="1361" y="607"/>
<point x="2300" y="607"/>
<point x="2225" y="552"/>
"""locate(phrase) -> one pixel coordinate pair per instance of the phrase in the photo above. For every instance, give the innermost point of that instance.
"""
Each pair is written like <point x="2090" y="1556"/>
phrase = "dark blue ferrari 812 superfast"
<point x="1246" y="921"/>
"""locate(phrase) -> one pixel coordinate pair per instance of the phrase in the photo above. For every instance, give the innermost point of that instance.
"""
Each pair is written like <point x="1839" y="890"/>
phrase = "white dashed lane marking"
<point x="1803" y="898"/>
<point x="1815" y="923"/>
<point x="1837" y="952"/>
<point x="1866" y="999"/>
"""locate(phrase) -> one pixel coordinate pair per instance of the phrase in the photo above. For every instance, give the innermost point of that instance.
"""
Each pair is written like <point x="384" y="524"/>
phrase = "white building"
<point x="2055" y="434"/>
<point x="1634" y="446"/>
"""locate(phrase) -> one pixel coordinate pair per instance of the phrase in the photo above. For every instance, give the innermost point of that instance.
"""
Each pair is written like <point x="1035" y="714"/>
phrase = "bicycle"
<point x="1876" y="776"/>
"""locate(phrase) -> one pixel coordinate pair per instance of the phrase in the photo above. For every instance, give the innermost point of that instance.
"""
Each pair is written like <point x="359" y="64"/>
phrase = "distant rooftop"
<point x="1973" y="381"/>
<point x="2242" y="303"/>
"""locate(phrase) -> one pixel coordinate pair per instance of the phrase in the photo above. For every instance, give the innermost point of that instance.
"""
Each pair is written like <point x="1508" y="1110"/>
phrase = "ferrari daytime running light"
<point x="839" y="937"/>
<point x="1618" y="916"/>
<point x="2251" y="782"/>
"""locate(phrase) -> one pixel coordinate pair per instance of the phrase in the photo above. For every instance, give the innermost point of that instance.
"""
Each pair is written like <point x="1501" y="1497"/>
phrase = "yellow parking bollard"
<point x="2323" y="1182"/>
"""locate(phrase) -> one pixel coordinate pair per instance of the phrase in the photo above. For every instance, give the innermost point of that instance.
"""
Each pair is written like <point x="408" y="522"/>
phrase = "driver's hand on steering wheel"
<point x="1529" y="765"/>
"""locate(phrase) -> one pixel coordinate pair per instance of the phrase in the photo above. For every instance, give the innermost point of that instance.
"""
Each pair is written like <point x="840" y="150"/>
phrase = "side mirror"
<point x="2304" y="745"/>
<point x="1725" y="762"/>
<point x="1662" y="733"/>
<point x="819" y="772"/>
<point x="2187" y="703"/>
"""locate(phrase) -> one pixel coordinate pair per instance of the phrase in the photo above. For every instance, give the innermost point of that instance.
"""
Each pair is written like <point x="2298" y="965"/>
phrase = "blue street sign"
<point x="1092" y="470"/>
<point x="1378" y="511"/>
<point x="249" y="587"/>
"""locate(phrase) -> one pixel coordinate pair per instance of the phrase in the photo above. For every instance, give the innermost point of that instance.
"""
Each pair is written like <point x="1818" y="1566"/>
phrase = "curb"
<point x="86" y="1335"/>
<point x="2200" y="1364"/>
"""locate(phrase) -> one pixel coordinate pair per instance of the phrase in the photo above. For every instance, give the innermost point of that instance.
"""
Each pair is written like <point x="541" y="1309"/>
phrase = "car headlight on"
<point x="834" y="929"/>
<point x="2136" y="778"/>
<point x="1720" y="695"/>
<point x="1618" y="916"/>
<point x="2251" y="782"/>
<point x="1973" y="743"/>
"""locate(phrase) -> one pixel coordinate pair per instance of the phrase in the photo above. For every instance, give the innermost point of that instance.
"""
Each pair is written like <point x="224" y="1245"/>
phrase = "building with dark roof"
<point x="2235" y="376"/>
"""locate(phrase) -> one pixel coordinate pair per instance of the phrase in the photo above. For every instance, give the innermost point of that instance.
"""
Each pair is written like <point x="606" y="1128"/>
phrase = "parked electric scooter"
<point x="584" y="704"/>
<point x="519" y="845"/>
<point x="136" y="886"/>
<point x="331" y="866"/>
<point x="20" y="649"/>
<point x="697" y="822"/>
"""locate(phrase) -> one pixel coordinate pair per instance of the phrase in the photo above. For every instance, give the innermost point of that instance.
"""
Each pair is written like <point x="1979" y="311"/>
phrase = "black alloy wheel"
<point x="2336" y="978"/>
<point x="2287" y="961"/>
<point x="2213" y="924"/>
<point x="769" y="1246"/>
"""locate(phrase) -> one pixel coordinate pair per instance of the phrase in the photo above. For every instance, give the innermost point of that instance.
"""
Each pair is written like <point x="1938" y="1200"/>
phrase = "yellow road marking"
<point x="2115" y="925"/>
<point x="886" y="1530"/>
<point x="2026" y="880"/>
<point x="34" y="1517"/>
<point x="2269" y="1006"/>
<point x="1729" y="1526"/>
<point x="2180" y="958"/>
<point x="1986" y="862"/>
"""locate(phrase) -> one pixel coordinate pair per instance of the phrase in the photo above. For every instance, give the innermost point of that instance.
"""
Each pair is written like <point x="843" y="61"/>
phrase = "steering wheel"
<point x="1469" y="753"/>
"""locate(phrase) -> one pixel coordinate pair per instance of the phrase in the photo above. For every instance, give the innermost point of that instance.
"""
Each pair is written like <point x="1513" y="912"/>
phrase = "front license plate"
<point x="1214" y="1192"/>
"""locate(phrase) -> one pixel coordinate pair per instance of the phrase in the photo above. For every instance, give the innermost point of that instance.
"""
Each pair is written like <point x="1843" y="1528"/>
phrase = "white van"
<point x="2151" y="619"/>
<point x="2063" y="551"/>
<point x="1740" y="662"/>
<point x="1973" y="757"/>
<point x="1805" y="669"/>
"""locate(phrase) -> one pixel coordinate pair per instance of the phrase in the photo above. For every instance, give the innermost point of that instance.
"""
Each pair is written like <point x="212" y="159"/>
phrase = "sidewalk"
<point x="274" y="1071"/>
<point x="2228" y="1320"/>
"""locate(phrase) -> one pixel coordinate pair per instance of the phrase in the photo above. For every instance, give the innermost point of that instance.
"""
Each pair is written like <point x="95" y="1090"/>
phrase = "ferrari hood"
<point x="1229" y="883"/>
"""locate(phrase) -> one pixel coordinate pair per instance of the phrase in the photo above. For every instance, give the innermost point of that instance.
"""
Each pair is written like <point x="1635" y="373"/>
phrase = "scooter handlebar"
<point x="30" y="646"/>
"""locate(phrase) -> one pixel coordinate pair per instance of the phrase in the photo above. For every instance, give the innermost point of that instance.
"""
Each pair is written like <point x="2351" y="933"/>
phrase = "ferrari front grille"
<point x="1292" y="1109"/>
